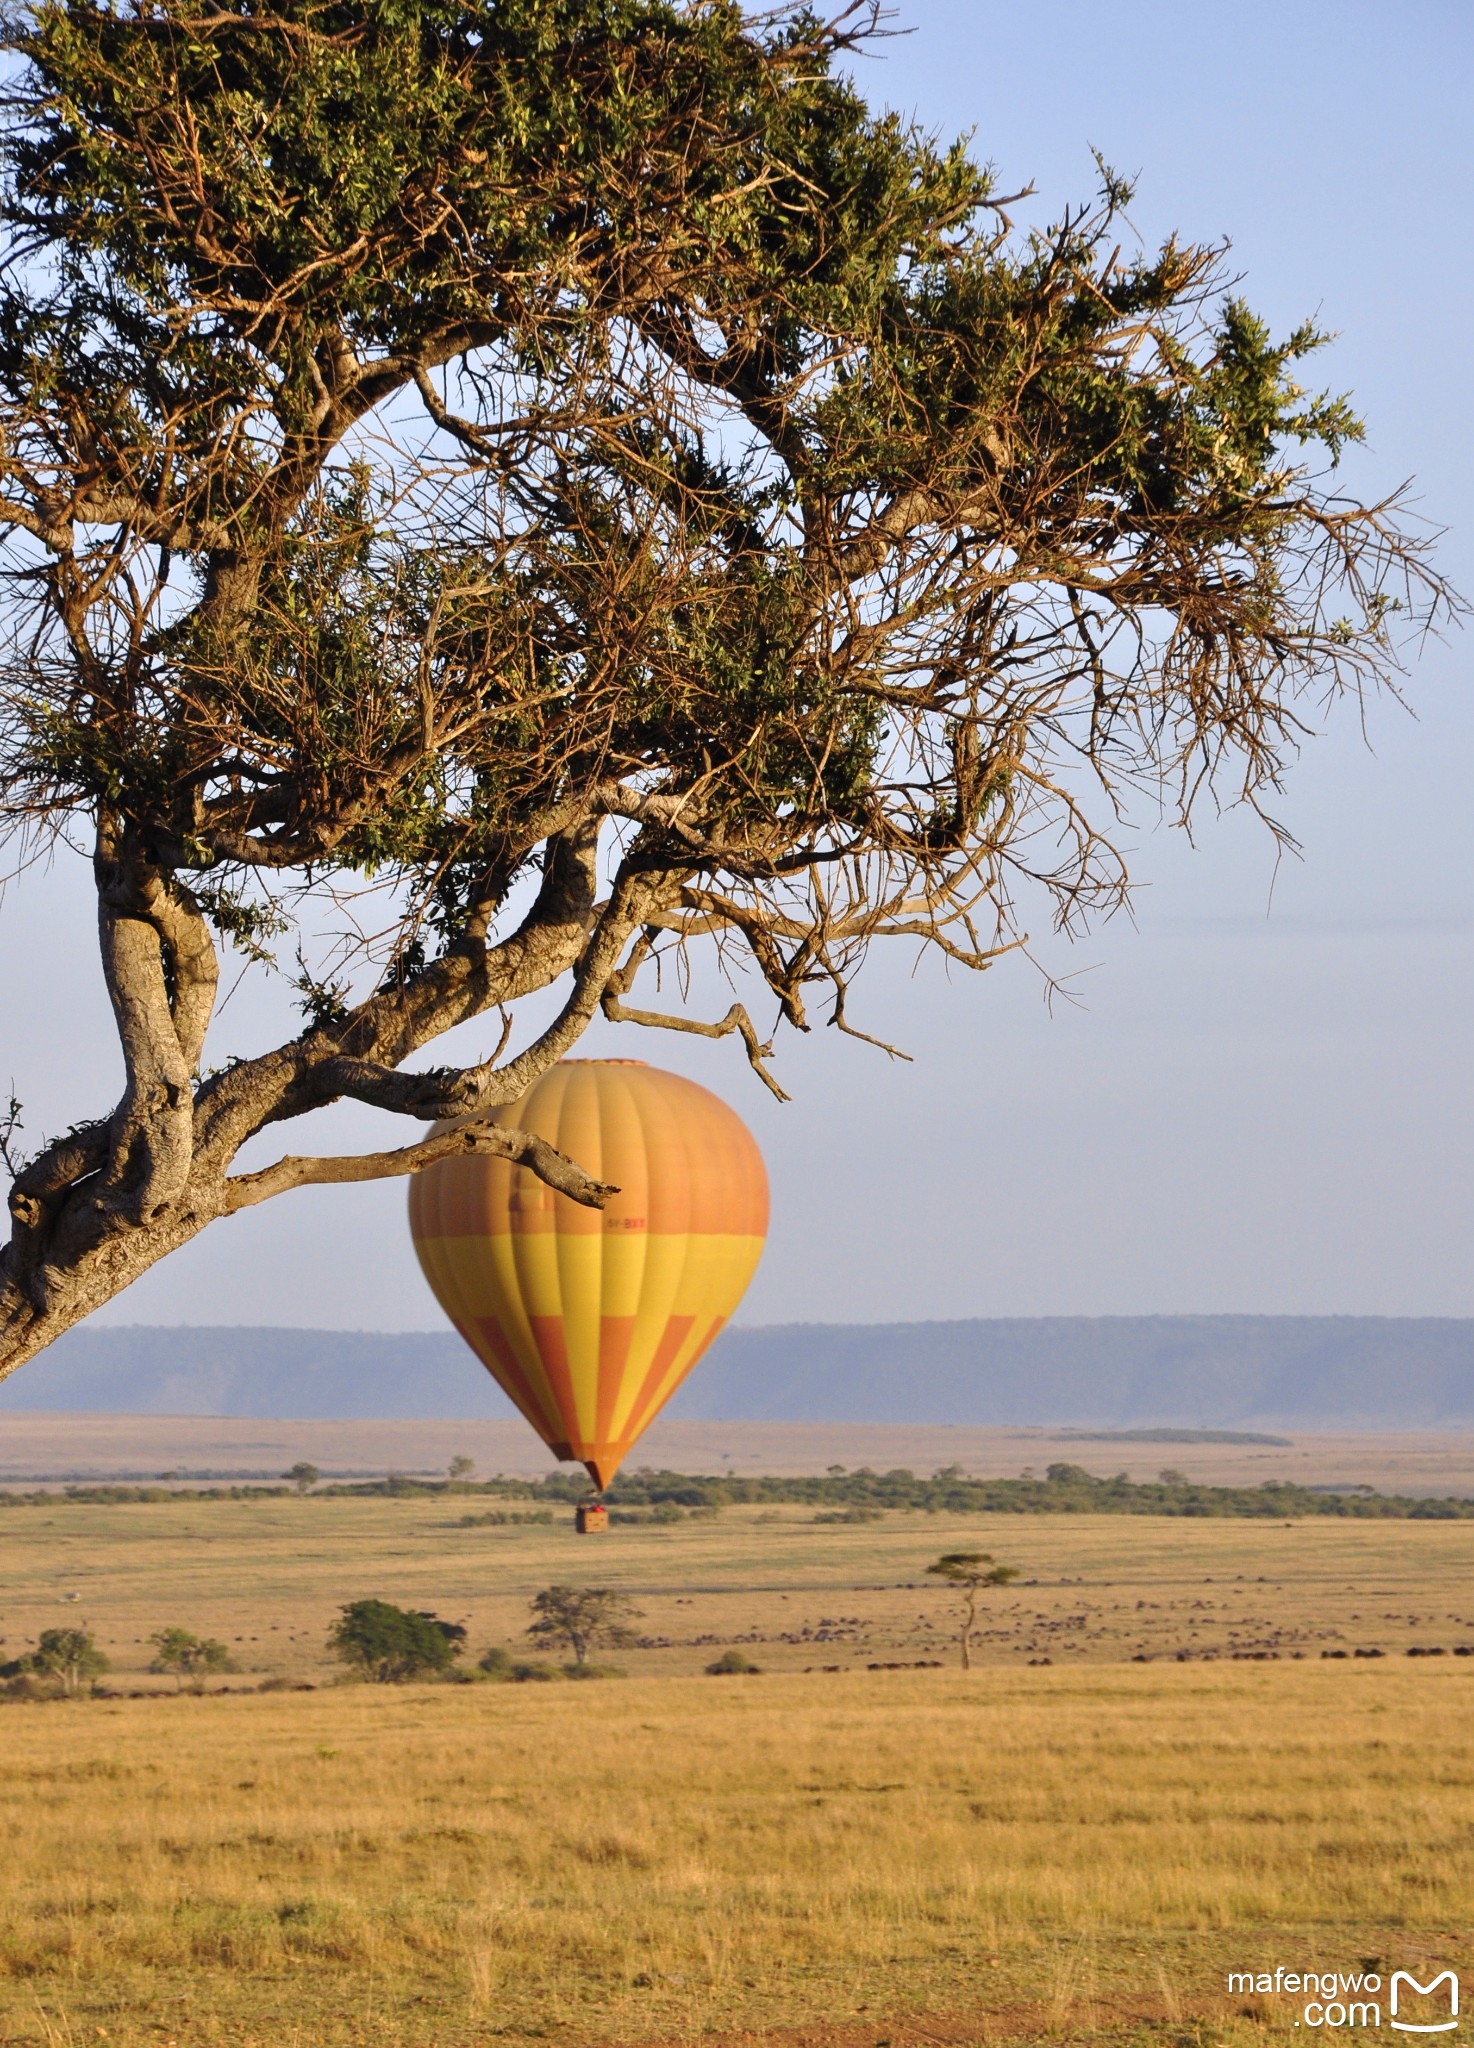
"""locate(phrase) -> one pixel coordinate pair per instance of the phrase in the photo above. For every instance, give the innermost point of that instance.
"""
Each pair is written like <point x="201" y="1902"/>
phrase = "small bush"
<point x="731" y="1664"/>
<point x="504" y="1518"/>
<point x="499" y="1667"/>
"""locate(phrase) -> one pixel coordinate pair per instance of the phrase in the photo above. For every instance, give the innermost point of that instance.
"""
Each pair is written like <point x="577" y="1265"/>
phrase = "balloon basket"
<point x="591" y="1518"/>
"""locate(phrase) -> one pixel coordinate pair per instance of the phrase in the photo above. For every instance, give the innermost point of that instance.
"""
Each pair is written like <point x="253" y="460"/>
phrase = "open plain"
<point x="794" y="1588"/>
<point x="52" y="1447"/>
<point x="1063" y="1843"/>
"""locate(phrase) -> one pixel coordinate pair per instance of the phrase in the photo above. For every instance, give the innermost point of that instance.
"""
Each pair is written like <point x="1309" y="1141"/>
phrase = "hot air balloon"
<point x="590" y="1319"/>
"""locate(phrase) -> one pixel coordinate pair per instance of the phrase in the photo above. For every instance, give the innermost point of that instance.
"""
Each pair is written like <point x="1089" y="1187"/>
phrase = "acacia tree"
<point x="582" y="1618"/>
<point x="567" y="469"/>
<point x="970" y="1571"/>
<point x="68" y="1658"/>
<point x="188" y="1656"/>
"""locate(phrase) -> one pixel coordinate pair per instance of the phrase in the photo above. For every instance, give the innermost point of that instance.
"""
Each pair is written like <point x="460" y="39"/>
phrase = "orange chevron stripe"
<point x="510" y="1376"/>
<point x="552" y="1348"/>
<point x="615" y="1336"/>
<point x="677" y="1329"/>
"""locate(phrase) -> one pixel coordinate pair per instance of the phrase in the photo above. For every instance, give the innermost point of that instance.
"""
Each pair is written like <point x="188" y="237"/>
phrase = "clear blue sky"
<point x="1262" y="1100"/>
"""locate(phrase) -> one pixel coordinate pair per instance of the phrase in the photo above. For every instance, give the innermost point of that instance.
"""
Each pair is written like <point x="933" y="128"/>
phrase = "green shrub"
<point x="730" y="1664"/>
<point x="500" y="1667"/>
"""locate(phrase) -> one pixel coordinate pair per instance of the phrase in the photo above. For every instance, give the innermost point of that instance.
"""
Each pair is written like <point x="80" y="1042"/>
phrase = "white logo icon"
<point x="1401" y="1977"/>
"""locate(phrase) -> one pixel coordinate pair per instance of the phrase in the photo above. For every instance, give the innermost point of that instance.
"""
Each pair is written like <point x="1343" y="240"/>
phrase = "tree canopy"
<point x="185" y="1655"/>
<point x="582" y="1618"/>
<point x="971" y="1571"/>
<point x="568" y="480"/>
<point x="67" y="1660"/>
<point x="391" y="1645"/>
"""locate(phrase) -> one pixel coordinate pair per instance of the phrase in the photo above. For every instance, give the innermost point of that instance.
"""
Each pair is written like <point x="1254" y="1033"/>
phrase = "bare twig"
<point x="736" y="1020"/>
<point x="10" y="1130"/>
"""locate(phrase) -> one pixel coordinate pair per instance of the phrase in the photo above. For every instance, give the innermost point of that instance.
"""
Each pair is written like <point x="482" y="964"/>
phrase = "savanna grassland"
<point x="267" y="1575"/>
<point x="1079" y="1849"/>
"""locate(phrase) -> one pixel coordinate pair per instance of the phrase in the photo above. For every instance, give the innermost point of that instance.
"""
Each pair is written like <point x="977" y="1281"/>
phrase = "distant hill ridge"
<point x="1090" y="1372"/>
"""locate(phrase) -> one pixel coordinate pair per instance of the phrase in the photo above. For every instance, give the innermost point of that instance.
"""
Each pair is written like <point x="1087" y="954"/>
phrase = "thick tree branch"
<point x="633" y="896"/>
<point x="194" y="964"/>
<point x="494" y="1141"/>
<point x="359" y="1056"/>
<point x="152" y="1137"/>
<point x="35" y="1198"/>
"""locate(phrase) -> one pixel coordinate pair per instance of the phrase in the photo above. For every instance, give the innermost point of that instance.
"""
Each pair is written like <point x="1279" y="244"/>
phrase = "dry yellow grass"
<point x="650" y="1860"/>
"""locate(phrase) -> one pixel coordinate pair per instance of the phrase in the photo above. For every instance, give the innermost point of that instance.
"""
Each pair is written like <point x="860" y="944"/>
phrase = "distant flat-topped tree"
<point x="970" y="1571"/>
<point x="570" y="467"/>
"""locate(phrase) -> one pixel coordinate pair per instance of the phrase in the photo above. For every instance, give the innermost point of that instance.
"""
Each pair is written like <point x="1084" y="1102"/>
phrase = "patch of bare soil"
<point x="1112" y="2019"/>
